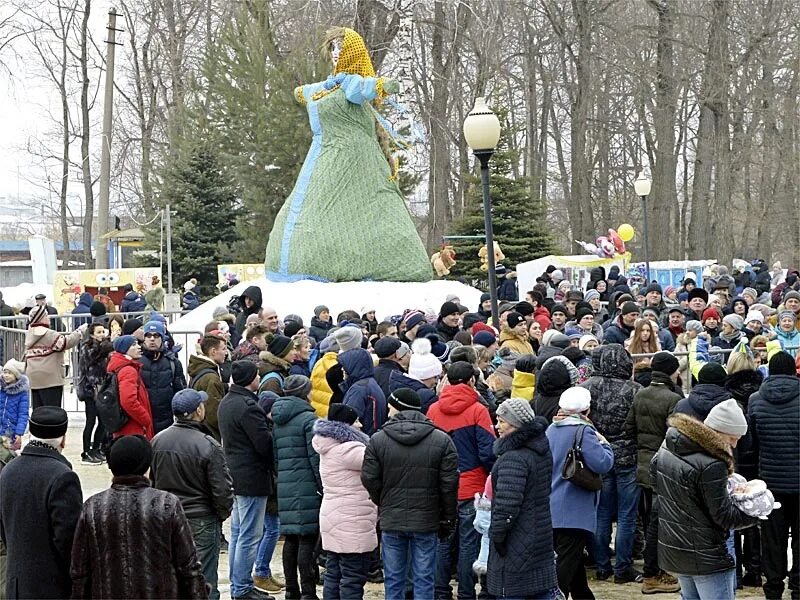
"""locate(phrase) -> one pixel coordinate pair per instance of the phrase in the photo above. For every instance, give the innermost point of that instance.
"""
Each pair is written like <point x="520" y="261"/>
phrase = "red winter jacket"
<point x="542" y="316"/>
<point x="132" y="396"/>
<point x="459" y="414"/>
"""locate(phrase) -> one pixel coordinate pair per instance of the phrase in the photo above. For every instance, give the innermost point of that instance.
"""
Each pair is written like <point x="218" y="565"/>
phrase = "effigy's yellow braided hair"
<point x="354" y="59"/>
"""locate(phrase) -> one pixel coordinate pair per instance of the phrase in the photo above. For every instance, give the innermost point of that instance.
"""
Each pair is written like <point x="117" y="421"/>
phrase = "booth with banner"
<point x="576" y="268"/>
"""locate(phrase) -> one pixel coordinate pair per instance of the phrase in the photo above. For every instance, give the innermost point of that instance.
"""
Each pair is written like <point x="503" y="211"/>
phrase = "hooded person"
<point x="424" y="370"/>
<point x="556" y="375"/>
<point x="553" y="344"/>
<point x="612" y="394"/>
<point x="321" y="392"/>
<point x="709" y="391"/>
<point x="524" y="381"/>
<point x="84" y="307"/>
<point x="132" y="302"/>
<point x="250" y="301"/>
<point x="361" y="392"/>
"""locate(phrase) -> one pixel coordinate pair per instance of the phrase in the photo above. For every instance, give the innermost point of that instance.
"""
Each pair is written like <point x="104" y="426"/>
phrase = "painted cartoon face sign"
<point x="336" y="50"/>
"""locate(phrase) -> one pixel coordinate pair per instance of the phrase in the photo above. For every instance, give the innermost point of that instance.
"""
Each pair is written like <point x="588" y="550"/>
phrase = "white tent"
<point x="575" y="268"/>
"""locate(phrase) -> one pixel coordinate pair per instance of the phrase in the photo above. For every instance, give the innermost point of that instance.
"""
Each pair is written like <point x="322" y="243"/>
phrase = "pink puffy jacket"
<point x="347" y="517"/>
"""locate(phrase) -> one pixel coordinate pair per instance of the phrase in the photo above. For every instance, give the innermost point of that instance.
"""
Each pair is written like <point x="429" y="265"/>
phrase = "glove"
<point x="500" y="547"/>
<point x="391" y="86"/>
<point x="446" y="528"/>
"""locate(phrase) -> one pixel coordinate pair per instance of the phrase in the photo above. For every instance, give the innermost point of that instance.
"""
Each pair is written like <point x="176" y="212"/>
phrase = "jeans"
<point x="247" y="529"/>
<point x="774" y="539"/>
<point x="716" y="586"/>
<point x="569" y="545"/>
<point x="619" y="498"/>
<point x="650" y="518"/>
<point x="90" y="408"/>
<point x="469" y="545"/>
<point x="272" y="531"/>
<point x="345" y="576"/>
<point x="298" y="556"/>
<point x="206" y="532"/>
<point x="402" y="549"/>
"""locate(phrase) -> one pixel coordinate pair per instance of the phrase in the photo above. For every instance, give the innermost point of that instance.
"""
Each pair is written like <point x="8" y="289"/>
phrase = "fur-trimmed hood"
<point x="277" y="361"/>
<point x="339" y="432"/>
<point x="21" y="385"/>
<point x="690" y="435"/>
<point x="530" y="435"/>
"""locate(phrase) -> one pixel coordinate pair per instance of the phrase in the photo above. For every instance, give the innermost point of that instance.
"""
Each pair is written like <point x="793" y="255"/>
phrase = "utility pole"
<point x="105" y="155"/>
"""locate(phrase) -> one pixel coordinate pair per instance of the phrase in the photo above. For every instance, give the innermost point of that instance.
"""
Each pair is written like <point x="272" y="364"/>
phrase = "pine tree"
<point x="518" y="220"/>
<point x="204" y="210"/>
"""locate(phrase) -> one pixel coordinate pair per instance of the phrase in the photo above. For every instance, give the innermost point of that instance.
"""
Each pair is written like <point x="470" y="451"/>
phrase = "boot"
<point x="95" y="451"/>
<point x="88" y="458"/>
<point x="663" y="583"/>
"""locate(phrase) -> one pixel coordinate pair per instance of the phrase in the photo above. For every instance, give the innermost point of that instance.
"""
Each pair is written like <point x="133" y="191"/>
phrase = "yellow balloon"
<point x="625" y="232"/>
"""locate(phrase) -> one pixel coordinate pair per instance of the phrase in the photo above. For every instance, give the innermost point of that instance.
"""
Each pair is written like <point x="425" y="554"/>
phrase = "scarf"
<point x="568" y="418"/>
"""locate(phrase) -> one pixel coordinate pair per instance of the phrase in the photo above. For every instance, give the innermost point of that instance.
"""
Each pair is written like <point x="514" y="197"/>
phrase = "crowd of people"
<point x="420" y="449"/>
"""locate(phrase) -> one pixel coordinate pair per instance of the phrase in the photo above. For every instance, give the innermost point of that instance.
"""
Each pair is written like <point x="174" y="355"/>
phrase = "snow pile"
<point x="387" y="298"/>
<point x="19" y="294"/>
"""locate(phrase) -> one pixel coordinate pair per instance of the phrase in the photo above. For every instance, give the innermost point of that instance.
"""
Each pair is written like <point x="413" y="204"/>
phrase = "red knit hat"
<point x="711" y="313"/>
<point x="481" y="326"/>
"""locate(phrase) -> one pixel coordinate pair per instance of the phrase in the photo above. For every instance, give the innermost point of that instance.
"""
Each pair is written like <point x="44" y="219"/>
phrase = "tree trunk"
<point x="85" y="158"/>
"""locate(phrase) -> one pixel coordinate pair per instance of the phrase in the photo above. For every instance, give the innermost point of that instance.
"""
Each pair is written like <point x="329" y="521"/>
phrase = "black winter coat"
<point x="133" y="541"/>
<point x="383" y="373"/>
<point x="617" y="333"/>
<point x="40" y="502"/>
<point x="647" y="421"/>
<point x="92" y="361"/>
<point x="247" y="442"/>
<point x="551" y="381"/>
<point x="774" y="413"/>
<point x="411" y="472"/>
<point x="254" y="293"/>
<point x="445" y="332"/>
<point x="695" y="511"/>
<point x="700" y="401"/>
<point x="426" y="394"/>
<point x="741" y="385"/>
<point x="162" y="374"/>
<point x="521" y="557"/>
<point x="190" y="463"/>
<point x="612" y="397"/>
<point x="319" y="329"/>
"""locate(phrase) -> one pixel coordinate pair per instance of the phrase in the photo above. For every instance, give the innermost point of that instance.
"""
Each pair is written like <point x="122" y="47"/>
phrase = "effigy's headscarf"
<point x="354" y="57"/>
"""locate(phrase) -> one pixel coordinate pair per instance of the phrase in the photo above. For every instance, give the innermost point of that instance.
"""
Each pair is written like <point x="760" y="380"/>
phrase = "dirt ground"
<point x="95" y="479"/>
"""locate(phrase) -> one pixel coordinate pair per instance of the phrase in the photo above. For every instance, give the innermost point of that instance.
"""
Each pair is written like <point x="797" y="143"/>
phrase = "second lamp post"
<point x="642" y="188"/>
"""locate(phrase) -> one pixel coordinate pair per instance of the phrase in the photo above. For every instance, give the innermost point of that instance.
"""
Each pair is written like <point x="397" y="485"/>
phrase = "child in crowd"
<point x="14" y="392"/>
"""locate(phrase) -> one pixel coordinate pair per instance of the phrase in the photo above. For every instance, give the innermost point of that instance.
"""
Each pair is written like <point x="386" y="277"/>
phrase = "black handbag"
<point x="575" y="469"/>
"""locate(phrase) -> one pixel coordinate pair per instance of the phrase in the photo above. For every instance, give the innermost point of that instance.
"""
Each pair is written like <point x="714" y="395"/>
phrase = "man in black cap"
<point x="698" y="301"/>
<point x="623" y="326"/>
<point x="40" y="502"/>
<point x="647" y="420"/>
<point x="393" y="355"/>
<point x="190" y="463"/>
<point x="413" y="510"/>
<point x="134" y="525"/>
<point x="247" y="442"/>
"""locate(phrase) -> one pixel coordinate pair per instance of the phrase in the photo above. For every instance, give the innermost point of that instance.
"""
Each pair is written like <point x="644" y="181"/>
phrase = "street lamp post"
<point x="482" y="132"/>
<point x="642" y="188"/>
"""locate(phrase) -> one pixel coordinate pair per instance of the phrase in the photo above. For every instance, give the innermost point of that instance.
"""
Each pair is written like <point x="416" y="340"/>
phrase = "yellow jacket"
<point x="321" y="392"/>
<point x="523" y="385"/>
<point x="519" y="344"/>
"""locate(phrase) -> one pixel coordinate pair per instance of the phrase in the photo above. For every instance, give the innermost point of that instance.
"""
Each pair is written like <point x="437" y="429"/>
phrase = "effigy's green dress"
<point x="345" y="219"/>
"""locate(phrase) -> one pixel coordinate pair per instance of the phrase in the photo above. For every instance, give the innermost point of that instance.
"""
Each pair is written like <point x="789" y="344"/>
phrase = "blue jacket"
<point x="788" y="339"/>
<point x="399" y="380"/>
<point x="132" y="302"/>
<point x="571" y="506"/>
<point x="14" y="406"/>
<point x="361" y="392"/>
<point x="617" y="333"/>
<point x="162" y="374"/>
<point x="191" y="300"/>
<point x="83" y="307"/>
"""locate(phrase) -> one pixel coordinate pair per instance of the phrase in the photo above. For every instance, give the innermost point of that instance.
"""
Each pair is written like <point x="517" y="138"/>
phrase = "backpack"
<point x="200" y="374"/>
<point x="109" y="410"/>
<point x="267" y="377"/>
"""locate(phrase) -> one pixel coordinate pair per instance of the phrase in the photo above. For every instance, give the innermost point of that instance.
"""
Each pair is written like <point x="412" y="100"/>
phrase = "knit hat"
<point x="243" y="372"/>
<point x="664" y="362"/>
<point x="413" y="318"/>
<point x="698" y="292"/>
<point x="591" y="295"/>
<point x="683" y="297"/>
<point x="448" y="308"/>
<point x="557" y="275"/>
<point x="253" y="319"/>
<point x="131" y="325"/>
<point x="734" y="321"/>
<point x="787" y="314"/>
<point x="14" y="367"/>
<point x="514" y="319"/>
<point x="48" y="422"/>
<point x="318" y="310"/>
<point x="190" y="285"/>
<point x="266" y="400"/>
<point x="328" y="344"/>
<point x="793" y="294"/>
<point x="571" y="368"/>
<point x="386" y="347"/>
<point x="653" y="287"/>
<point x="186" y="402"/>
<point x="485" y="296"/>
<point x="123" y="343"/>
<point x="39" y="316"/>
<point x="156" y="327"/>
<point x="524" y="308"/>
<point x="97" y="309"/>
<point x="585" y="339"/>
<point x="754" y="315"/>
<point x="516" y="412"/>
<point x="748" y="291"/>
<point x="130" y="455"/>
<point x="669" y="289"/>
<point x="484" y="338"/>
<point x="423" y="364"/>
<point x="291" y="328"/>
<point x="438" y="348"/>
<point x="583" y="312"/>
<point x="573" y="333"/>
<point x="460" y="372"/>
<point x="280" y="345"/>
<point x="710" y="313"/>
<point x="629" y="307"/>
<point x="713" y="373"/>
<point x="782" y="363"/>
<point x="292" y="318"/>
<point x="405" y="399"/>
<point x="221" y="314"/>
<point x="477" y="327"/>
<point x="574" y="296"/>
<point x="727" y="417"/>
<point x="342" y="413"/>
<point x="651" y="310"/>
<point x="694" y="325"/>
<point x="575" y="400"/>
<point x="348" y="337"/>
<point x="558" y="308"/>
<point x="468" y="320"/>
<point x="297" y="385"/>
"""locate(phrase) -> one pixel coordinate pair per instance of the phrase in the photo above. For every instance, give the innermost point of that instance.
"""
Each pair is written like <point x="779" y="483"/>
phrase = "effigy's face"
<point x="336" y="50"/>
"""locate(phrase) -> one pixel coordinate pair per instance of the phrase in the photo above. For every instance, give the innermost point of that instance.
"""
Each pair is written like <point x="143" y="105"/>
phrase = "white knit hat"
<point x="14" y="366"/>
<point x="727" y="417"/>
<point x="423" y="364"/>
<point x="754" y="315"/>
<point x="575" y="400"/>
